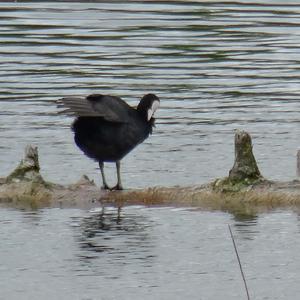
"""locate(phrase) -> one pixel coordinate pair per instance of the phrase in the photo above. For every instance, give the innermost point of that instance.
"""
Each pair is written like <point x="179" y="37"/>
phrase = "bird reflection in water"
<point x="95" y="225"/>
<point x="110" y="232"/>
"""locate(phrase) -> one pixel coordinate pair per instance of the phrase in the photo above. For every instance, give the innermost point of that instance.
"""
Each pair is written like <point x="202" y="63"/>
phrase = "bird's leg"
<point x="105" y="185"/>
<point x="119" y="184"/>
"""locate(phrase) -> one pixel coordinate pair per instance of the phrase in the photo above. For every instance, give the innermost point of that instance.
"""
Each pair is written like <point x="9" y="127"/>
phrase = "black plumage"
<point x="106" y="128"/>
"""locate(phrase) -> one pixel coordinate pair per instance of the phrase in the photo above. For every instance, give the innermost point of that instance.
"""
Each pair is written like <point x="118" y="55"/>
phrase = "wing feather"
<point x="111" y="108"/>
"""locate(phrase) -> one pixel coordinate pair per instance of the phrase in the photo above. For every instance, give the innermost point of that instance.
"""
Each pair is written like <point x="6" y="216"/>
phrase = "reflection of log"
<point x="243" y="190"/>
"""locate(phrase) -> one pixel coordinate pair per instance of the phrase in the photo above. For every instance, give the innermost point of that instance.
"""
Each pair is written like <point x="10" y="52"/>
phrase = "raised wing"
<point x="110" y="108"/>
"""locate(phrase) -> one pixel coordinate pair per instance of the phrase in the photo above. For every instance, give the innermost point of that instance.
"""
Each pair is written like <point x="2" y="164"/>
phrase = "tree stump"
<point x="25" y="187"/>
<point x="245" y="166"/>
<point x="28" y="168"/>
<point x="245" y="171"/>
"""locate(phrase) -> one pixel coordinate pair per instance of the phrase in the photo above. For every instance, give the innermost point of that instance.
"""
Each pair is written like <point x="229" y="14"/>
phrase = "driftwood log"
<point x="243" y="191"/>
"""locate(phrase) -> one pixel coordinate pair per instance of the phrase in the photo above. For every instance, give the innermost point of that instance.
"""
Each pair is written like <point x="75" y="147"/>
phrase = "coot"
<point x="106" y="128"/>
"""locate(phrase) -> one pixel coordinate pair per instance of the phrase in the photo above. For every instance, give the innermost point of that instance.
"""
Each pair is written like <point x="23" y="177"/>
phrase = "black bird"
<point x="106" y="128"/>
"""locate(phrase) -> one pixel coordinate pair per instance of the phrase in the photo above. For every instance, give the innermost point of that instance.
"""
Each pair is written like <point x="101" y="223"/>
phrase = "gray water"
<point x="159" y="253"/>
<point x="216" y="66"/>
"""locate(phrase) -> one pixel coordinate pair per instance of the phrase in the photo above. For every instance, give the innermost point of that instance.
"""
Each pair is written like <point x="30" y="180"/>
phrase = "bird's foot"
<point x="105" y="187"/>
<point x="118" y="187"/>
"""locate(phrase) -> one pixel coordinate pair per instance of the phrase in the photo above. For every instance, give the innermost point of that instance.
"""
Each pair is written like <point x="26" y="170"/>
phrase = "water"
<point x="147" y="254"/>
<point x="216" y="66"/>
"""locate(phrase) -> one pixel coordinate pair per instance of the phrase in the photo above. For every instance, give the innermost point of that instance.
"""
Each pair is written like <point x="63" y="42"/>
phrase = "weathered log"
<point x="244" y="190"/>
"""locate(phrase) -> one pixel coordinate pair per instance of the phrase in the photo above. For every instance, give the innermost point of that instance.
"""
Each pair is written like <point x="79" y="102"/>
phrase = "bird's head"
<point x="148" y="105"/>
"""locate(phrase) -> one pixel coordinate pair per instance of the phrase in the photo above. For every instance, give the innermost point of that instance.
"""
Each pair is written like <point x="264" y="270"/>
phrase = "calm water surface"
<point x="159" y="253"/>
<point x="216" y="66"/>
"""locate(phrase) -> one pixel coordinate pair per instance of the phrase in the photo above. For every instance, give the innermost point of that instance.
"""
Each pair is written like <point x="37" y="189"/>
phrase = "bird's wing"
<point x="110" y="108"/>
<point x="78" y="106"/>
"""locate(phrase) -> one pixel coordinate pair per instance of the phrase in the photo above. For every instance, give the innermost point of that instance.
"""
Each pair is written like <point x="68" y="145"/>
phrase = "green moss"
<point x="235" y="184"/>
<point x="22" y="173"/>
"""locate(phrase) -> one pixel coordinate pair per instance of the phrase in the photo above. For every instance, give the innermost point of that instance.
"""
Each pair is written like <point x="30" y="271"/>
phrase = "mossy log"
<point x="243" y="191"/>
